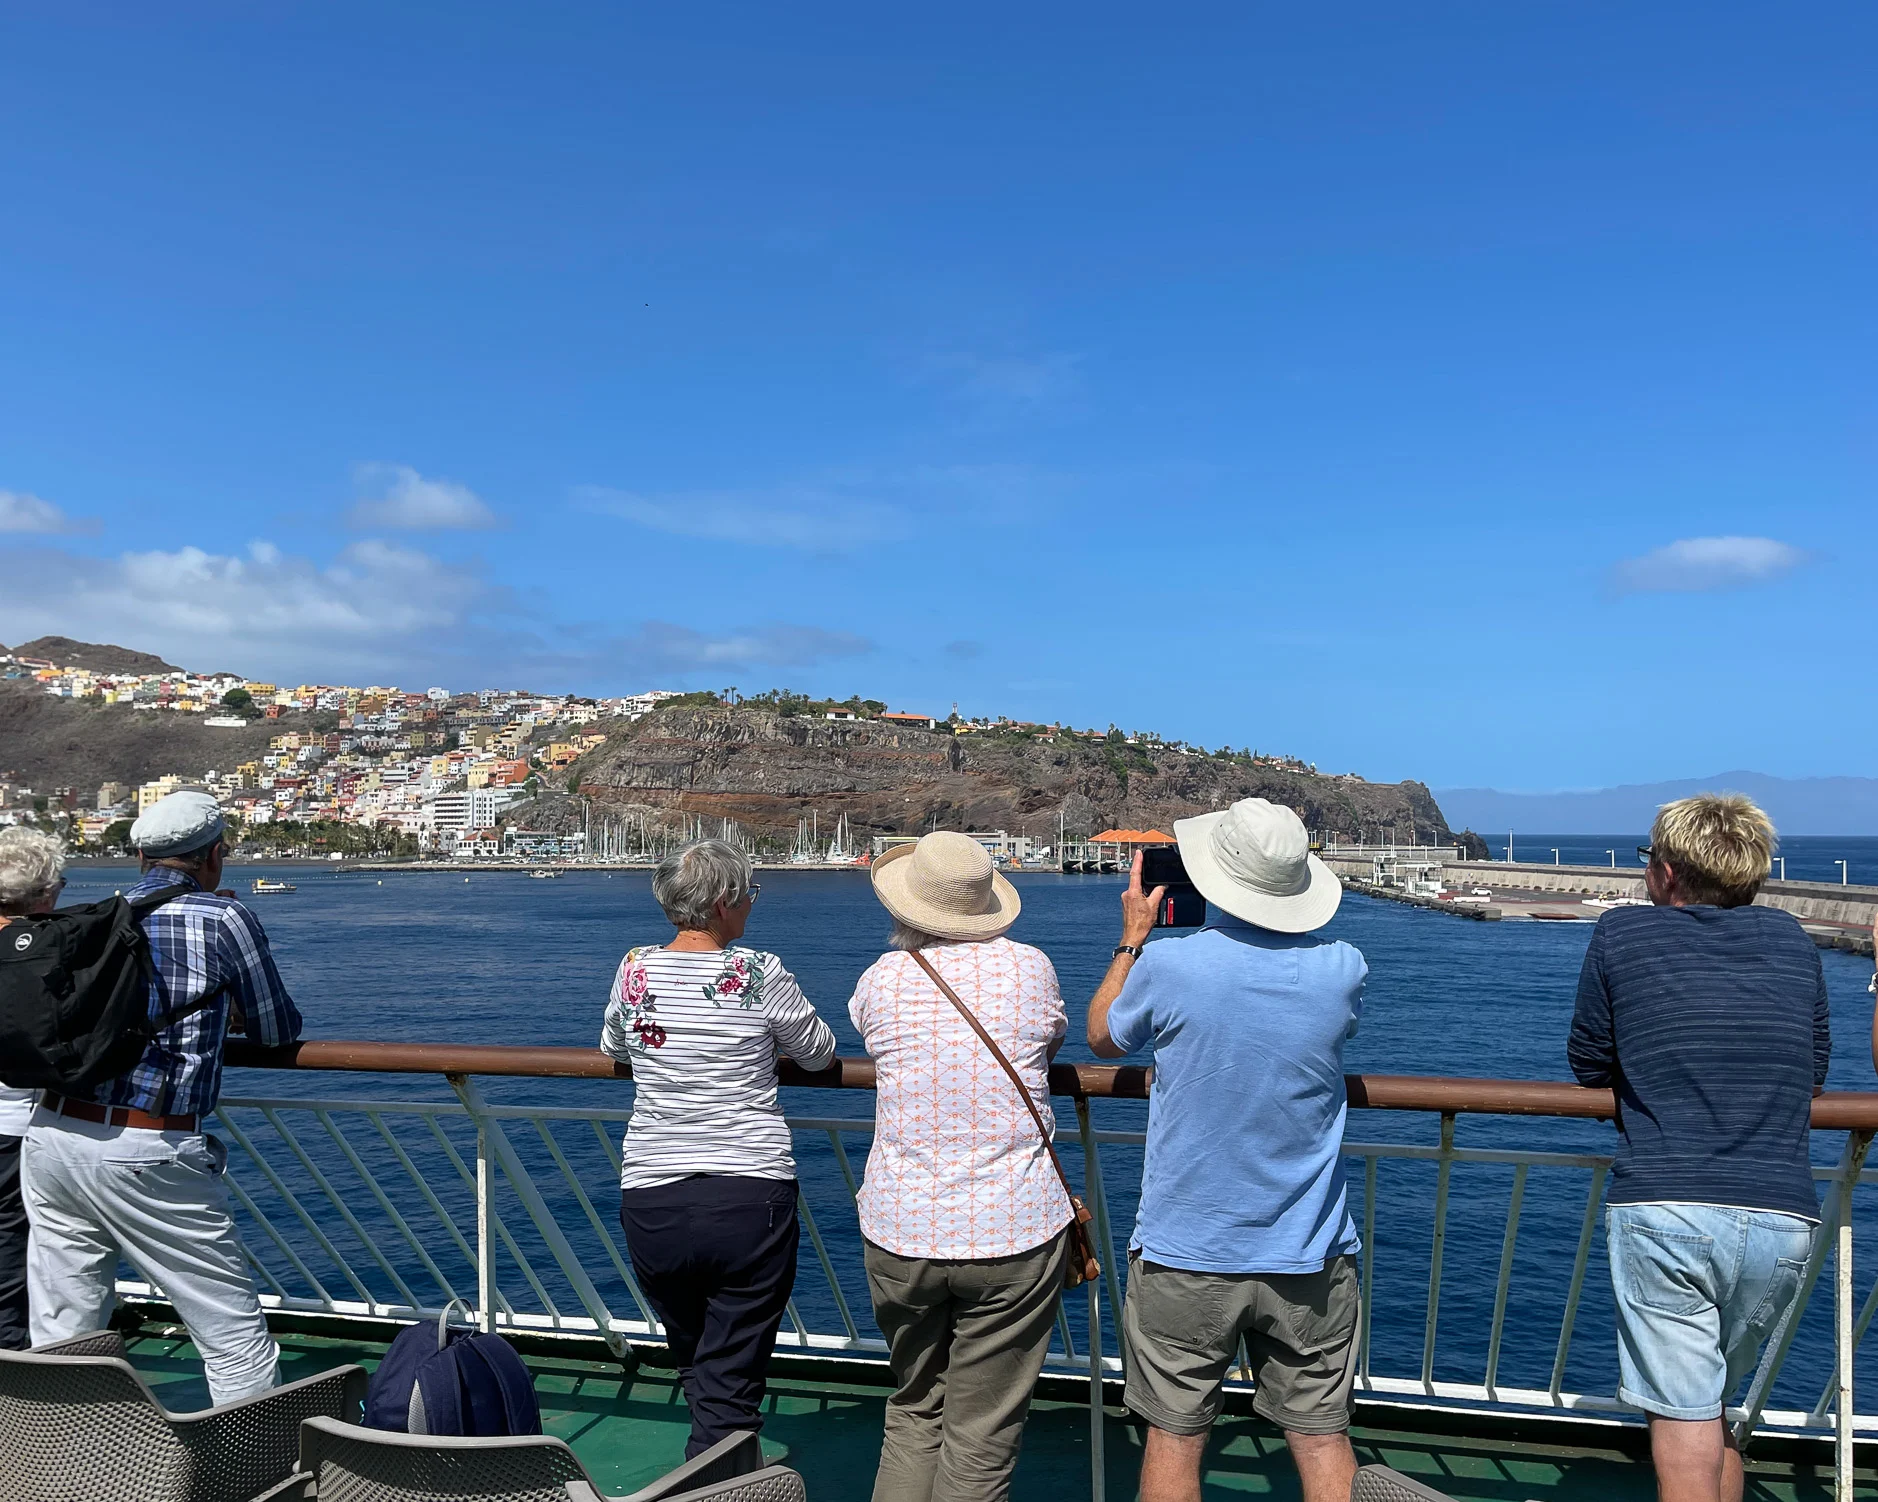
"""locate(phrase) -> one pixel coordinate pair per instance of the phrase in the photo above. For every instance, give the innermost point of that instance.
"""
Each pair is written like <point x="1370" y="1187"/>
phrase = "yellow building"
<point x="152" y="792"/>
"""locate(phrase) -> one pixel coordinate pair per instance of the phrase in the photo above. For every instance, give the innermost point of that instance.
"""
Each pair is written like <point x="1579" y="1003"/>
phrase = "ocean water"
<point x="502" y="958"/>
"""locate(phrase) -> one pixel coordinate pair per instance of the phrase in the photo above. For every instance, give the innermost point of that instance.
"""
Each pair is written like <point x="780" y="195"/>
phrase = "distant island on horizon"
<point x="1799" y="806"/>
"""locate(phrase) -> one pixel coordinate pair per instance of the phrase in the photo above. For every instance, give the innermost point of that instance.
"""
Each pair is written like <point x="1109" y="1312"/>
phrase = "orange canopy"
<point x="1131" y="837"/>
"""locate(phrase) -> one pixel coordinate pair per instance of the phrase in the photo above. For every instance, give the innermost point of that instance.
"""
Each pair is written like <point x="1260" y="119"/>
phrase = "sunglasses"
<point x="1646" y="853"/>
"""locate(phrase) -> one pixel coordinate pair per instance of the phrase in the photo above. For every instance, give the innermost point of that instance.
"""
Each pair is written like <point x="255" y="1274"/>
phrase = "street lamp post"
<point x="1555" y="856"/>
<point x="1845" y="873"/>
<point x="1613" y="855"/>
<point x="1781" y="861"/>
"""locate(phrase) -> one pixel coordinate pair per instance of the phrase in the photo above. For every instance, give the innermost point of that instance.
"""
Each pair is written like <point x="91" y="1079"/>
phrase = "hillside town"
<point x="379" y="769"/>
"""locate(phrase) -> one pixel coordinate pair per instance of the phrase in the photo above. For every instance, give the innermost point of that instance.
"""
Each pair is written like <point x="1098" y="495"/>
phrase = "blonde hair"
<point x="1719" y="846"/>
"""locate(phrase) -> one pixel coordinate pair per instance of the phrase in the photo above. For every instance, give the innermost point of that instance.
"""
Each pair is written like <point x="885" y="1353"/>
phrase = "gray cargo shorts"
<point x="1182" y="1332"/>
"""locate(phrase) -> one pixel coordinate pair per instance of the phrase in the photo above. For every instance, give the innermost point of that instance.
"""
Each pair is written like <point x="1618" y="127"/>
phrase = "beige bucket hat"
<point x="1254" y="860"/>
<point x="945" y="885"/>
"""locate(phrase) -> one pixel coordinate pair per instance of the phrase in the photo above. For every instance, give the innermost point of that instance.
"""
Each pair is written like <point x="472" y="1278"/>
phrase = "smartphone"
<point x="1182" y="906"/>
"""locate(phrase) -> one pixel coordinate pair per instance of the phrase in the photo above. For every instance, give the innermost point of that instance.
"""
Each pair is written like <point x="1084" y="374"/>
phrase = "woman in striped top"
<point x="708" y="1184"/>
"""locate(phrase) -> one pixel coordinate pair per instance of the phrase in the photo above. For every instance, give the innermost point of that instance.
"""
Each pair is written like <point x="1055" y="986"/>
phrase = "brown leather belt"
<point x="86" y="1110"/>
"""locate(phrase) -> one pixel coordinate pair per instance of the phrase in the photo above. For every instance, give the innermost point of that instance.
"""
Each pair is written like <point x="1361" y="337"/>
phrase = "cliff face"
<point x="767" y="770"/>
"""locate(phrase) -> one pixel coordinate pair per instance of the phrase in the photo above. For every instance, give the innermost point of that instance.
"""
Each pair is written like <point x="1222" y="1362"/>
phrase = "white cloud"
<point x="378" y="612"/>
<point x="660" y="647"/>
<point x="1695" y="565"/>
<point x="208" y="610"/>
<point x="20" y="512"/>
<point x="838" y="511"/>
<point x="812" y="517"/>
<point x="1007" y="386"/>
<point x="409" y="502"/>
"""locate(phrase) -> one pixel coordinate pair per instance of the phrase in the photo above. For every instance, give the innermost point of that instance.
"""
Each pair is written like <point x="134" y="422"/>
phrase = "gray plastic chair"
<point x="78" y="1424"/>
<point x="347" y="1463"/>
<point x="1377" y="1483"/>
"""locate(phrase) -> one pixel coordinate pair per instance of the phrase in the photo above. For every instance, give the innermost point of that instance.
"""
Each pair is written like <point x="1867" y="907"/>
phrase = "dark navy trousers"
<point x="13" y="1335"/>
<point x="716" y="1258"/>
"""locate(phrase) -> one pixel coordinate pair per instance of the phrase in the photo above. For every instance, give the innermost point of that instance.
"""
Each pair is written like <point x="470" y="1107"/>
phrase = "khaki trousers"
<point x="966" y="1341"/>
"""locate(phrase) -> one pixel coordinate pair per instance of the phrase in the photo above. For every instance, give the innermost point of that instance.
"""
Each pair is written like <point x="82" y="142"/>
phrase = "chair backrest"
<point x="1377" y="1483"/>
<point x="772" y="1484"/>
<point x="354" y="1464"/>
<point x="84" y="1428"/>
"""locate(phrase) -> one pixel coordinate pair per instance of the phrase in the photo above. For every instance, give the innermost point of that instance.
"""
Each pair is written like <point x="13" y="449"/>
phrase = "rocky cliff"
<point x="766" y="770"/>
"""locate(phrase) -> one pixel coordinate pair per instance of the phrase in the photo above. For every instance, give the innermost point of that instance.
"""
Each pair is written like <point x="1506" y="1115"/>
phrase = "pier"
<point x="1835" y="915"/>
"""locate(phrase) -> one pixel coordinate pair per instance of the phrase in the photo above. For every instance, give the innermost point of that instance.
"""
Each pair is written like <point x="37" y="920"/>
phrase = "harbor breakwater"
<point x="1837" y="916"/>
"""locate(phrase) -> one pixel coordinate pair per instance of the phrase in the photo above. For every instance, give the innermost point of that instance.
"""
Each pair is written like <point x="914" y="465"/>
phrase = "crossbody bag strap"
<point x="1023" y="1090"/>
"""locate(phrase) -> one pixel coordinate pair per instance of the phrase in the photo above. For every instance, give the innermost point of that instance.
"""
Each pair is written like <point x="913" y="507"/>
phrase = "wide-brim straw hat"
<point x="1254" y="860"/>
<point x="946" y="886"/>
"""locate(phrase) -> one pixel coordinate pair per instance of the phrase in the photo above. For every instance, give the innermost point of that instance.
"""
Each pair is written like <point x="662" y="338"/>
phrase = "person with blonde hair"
<point x="1707" y="1015"/>
<point x="31" y="863"/>
<point x="963" y="1216"/>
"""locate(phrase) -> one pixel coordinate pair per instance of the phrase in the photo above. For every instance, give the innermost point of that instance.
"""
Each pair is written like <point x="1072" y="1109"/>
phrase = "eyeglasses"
<point x="1646" y="853"/>
<point x="755" y="887"/>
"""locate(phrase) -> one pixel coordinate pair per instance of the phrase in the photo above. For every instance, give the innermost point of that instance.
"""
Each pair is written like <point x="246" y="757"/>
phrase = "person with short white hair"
<point x="31" y="863"/>
<point x="130" y="1171"/>
<point x="707" y="1178"/>
<point x="1243" y="1232"/>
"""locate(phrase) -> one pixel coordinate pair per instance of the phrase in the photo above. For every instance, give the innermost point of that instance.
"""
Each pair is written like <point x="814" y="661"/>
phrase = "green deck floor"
<point x="629" y="1430"/>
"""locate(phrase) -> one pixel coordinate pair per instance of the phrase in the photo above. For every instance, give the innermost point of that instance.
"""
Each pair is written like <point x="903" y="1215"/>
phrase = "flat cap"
<point x="177" y="825"/>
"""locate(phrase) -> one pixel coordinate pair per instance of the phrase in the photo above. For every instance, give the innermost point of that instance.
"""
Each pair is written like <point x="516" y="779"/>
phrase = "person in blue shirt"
<point x="1707" y="1016"/>
<point x="1242" y="1230"/>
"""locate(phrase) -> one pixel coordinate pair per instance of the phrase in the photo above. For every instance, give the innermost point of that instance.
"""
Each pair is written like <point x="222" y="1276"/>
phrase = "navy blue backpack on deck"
<point x="451" y="1382"/>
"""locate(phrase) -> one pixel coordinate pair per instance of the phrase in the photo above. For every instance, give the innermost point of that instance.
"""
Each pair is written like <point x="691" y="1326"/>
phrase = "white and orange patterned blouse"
<point x="957" y="1169"/>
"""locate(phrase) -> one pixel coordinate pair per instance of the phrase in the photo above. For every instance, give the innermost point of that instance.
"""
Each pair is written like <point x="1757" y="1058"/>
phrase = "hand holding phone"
<point x="1181" y="905"/>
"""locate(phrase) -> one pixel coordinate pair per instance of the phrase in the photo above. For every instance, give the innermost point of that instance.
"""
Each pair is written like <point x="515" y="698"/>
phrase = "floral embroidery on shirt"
<point x="638" y="1005"/>
<point x="741" y="980"/>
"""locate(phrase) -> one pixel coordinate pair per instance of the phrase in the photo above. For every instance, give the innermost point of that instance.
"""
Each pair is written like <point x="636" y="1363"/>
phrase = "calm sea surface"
<point x="501" y="958"/>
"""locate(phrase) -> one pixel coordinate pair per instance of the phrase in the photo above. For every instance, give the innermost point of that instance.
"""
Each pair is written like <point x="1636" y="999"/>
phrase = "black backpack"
<point x="75" y="995"/>
<point x="451" y="1382"/>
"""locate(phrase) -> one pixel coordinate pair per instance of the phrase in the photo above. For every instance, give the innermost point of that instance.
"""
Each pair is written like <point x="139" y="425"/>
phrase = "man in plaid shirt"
<point x="130" y="1173"/>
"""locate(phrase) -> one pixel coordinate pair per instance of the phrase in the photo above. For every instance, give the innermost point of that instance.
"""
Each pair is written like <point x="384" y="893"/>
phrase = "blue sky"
<point x="1475" y="393"/>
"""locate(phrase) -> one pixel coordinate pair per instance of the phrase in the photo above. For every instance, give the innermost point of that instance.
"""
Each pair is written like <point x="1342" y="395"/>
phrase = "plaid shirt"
<point x="201" y="943"/>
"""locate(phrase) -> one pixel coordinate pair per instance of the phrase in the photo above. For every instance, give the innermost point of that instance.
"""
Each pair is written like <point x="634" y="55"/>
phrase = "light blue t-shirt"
<point x="1245" y="1121"/>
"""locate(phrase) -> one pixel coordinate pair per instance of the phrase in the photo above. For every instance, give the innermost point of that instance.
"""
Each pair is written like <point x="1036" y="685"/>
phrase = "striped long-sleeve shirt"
<point x="201" y="944"/>
<point x="1711" y="1024"/>
<point x="703" y="1031"/>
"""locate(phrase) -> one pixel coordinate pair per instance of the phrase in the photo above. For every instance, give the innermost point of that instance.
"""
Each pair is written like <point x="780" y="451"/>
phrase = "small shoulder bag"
<point x="1082" y="1266"/>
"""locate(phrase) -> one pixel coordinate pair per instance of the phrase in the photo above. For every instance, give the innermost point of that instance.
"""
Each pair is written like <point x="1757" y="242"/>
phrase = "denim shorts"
<point x="1698" y="1289"/>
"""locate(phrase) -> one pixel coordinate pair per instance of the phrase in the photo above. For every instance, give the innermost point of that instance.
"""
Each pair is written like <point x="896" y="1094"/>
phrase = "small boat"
<point x="262" y="884"/>
<point x="1607" y="903"/>
<point x="544" y="875"/>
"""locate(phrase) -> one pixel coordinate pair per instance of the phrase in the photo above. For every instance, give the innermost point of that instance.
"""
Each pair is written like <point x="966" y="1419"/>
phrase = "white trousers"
<point x="94" y="1193"/>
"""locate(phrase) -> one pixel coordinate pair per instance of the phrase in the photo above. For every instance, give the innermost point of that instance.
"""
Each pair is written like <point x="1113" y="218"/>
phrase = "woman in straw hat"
<point x="963" y="1215"/>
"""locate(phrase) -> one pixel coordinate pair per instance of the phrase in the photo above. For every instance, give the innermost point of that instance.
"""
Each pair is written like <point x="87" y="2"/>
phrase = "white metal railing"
<point x="390" y="1209"/>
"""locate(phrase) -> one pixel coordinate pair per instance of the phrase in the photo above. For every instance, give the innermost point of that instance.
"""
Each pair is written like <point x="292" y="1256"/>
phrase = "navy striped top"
<point x="1711" y="1025"/>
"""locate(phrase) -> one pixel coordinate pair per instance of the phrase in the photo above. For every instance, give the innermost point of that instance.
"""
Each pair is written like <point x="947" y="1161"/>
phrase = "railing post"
<point x="1442" y="1175"/>
<point x="485" y="1262"/>
<point x="492" y="1143"/>
<point x="1092" y="1186"/>
<point x="1851" y="1161"/>
<point x="1844" y="1347"/>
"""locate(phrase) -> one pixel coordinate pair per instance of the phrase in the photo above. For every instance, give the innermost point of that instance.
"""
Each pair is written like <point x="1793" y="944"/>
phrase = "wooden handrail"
<point x="1835" y="1111"/>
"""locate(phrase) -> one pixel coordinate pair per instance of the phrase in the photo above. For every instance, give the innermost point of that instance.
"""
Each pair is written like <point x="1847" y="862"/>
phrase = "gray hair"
<point x="30" y="863"/>
<point x="909" y="938"/>
<point x="691" y="881"/>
